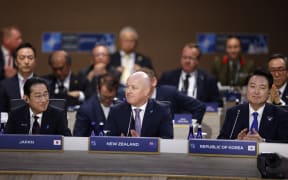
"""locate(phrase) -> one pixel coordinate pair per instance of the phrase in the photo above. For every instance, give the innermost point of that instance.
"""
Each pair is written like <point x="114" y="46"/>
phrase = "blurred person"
<point x="11" y="38"/>
<point x="126" y="60"/>
<point x="180" y="103"/>
<point x="65" y="84"/>
<point x="12" y="88"/>
<point x="191" y="80"/>
<point x="36" y="116"/>
<point x="256" y="120"/>
<point x="96" y="109"/>
<point x="277" y="65"/>
<point x="139" y="115"/>
<point x="233" y="69"/>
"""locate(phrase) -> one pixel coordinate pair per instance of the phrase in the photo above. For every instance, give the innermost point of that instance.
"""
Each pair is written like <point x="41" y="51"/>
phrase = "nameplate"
<point x="31" y="142"/>
<point x="124" y="144"/>
<point x="182" y="118"/>
<point x="223" y="148"/>
<point x="233" y="96"/>
<point x="211" y="107"/>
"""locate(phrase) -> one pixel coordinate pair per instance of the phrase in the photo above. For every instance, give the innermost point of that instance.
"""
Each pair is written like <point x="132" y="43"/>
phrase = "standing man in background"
<point x="11" y="38"/>
<point x="127" y="60"/>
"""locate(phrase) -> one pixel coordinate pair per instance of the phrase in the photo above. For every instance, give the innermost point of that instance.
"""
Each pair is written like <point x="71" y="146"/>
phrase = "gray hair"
<point x="129" y="29"/>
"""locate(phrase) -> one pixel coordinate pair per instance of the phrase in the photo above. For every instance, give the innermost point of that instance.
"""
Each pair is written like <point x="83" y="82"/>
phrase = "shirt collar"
<point x="21" y="78"/>
<point x="183" y="74"/>
<point x="122" y="53"/>
<point x="143" y="107"/>
<point x="259" y="111"/>
<point x="282" y="88"/>
<point x="32" y="114"/>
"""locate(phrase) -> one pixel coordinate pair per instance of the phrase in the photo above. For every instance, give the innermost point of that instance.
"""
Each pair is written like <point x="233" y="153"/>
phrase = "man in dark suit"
<point x="96" y="109"/>
<point x="126" y="60"/>
<point x="180" y="103"/>
<point x="12" y="88"/>
<point x="190" y="80"/>
<point x="256" y="120"/>
<point x="10" y="38"/>
<point x="277" y="65"/>
<point x="64" y="84"/>
<point x="37" y="117"/>
<point x="139" y="115"/>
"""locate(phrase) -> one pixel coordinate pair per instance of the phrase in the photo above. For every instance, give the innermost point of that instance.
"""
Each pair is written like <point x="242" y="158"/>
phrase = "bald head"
<point x="60" y="63"/>
<point x="138" y="89"/>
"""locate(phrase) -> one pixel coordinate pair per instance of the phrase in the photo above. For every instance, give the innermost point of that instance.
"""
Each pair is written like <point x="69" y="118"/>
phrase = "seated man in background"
<point x="180" y="103"/>
<point x="127" y="60"/>
<point x="64" y="84"/>
<point x="37" y="117"/>
<point x="100" y="59"/>
<point x="233" y="68"/>
<point x="191" y="80"/>
<point x="12" y="88"/>
<point x="256" y="120"/>
<point x="96" y="108"/>
<point x="139" y="115"/>
<point x="277" y="65"/>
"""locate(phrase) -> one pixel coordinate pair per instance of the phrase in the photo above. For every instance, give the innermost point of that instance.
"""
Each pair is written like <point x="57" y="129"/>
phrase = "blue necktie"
<point x="254" y="124"/>
<point x="137" y="121"/>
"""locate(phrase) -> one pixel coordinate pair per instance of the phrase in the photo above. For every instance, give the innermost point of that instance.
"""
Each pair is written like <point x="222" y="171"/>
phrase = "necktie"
<point x="36" y="126"/>
<point x="254" y="124"/>
<point x="137" y="121"/>
<point x="126" y="71"/>
<point x="186" y="83"/>
<point x="61" y="87"/>
<point x="9" y="62"/>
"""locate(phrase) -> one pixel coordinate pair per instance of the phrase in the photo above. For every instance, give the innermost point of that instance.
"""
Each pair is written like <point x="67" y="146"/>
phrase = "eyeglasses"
<point x="277" y="70"/>
<point x="38" y="97"/>
<point x="22" y="57"/>
<point x="189" y="58"/>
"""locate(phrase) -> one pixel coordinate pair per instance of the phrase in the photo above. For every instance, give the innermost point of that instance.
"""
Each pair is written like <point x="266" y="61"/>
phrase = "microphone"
<point x="129" y="125"/>
<point x="235" y="122"/>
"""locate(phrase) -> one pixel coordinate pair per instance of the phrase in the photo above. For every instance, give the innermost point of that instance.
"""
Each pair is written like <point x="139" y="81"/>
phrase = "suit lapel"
<point x="199" y="84"/>
<point x="17" y="88"/>
<point x="267" y="117"/>
<point x="147" y="118"/>
<point x="45" y="122"/>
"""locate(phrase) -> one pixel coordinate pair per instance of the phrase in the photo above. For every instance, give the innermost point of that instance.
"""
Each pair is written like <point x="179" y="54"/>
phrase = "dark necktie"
<point x="186" y="84"/>
<point x="36" y="125"/>
<point x="137" y="121"/>
<point x="254" y="124"/>
<point x="61" y="87"/>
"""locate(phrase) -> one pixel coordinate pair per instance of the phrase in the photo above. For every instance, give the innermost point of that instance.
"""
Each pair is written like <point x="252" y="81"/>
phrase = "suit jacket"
<point x="9" y="89"/>
<point x="2" y="62"/>
<point x="273" y="125"/>
<point x="284" y="96"/>
<point x="90" y="111"/>
<point x="53" y="121"/>
<point x="207" y="90"/>
<point x="180" y="103"/>
<point x="140" y="59"/>
<point x="157" y="121"/>
<point x="75" y="84"/>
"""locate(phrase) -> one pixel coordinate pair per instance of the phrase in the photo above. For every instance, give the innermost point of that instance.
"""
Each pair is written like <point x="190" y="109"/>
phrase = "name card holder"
<point x="211" y="106"/>
<point x="111" y="144"/>
<point x="24" y="142"/>
<point x="204" y="147"/>
<point x="182" y="118"/>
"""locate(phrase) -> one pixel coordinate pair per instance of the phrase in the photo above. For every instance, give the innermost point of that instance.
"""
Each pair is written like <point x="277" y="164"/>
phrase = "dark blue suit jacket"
<point x="207" y="90"/>
<point x="273" y="126"/>
<point x="157" y="121"/>
<point x="284" y="96"/>
<point x="2" y="62"/>
<point x="9" y="89"/>
<point x="180" y="103"/>
<point x="90" y="111"/>
<point x="140" y="59"/>
<point x="53" y="121"/>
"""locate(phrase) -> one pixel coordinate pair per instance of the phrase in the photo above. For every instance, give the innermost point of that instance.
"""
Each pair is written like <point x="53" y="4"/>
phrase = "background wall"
<point x="164" y="25"/>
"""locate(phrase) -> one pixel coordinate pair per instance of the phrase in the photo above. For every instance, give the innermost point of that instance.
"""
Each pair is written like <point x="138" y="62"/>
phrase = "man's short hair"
<point x="194" y="45"/>
<point x="129" y="29"/>
<point x="150" y="72"/>
<point x="68" y="58"/>
<point x="24" y="45"/>
<point x="280" y="56"/>
<point x="108" y="80"/>
<point x="6" y="31"/>
<point x="263" y="73"/>
<point x="31" y="82"/>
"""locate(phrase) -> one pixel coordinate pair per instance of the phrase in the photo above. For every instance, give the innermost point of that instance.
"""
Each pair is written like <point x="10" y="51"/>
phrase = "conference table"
<point x="173" y="162"/>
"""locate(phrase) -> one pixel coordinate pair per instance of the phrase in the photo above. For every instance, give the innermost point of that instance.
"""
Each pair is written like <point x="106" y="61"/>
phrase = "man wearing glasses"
<point x="277" y="65"/>
<point x="12" y="88"/>
<point x="36" y="116"/>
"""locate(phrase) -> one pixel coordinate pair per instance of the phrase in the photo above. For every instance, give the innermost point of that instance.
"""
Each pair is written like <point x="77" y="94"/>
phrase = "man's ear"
<point x="26" y="98"/>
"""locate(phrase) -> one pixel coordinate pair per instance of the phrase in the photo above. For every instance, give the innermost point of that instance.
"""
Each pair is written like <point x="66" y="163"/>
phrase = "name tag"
<point x="182" y="118"/>
<point x="31" y="142"/>
<point x="211" y="107"/>
<point x="124" y="144"/>
<point x="223" y="148"/>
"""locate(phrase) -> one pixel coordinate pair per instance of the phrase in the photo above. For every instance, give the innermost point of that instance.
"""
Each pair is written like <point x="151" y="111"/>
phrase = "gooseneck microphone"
<point x="235" y="122"/>
<point x="129" y="125"/>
